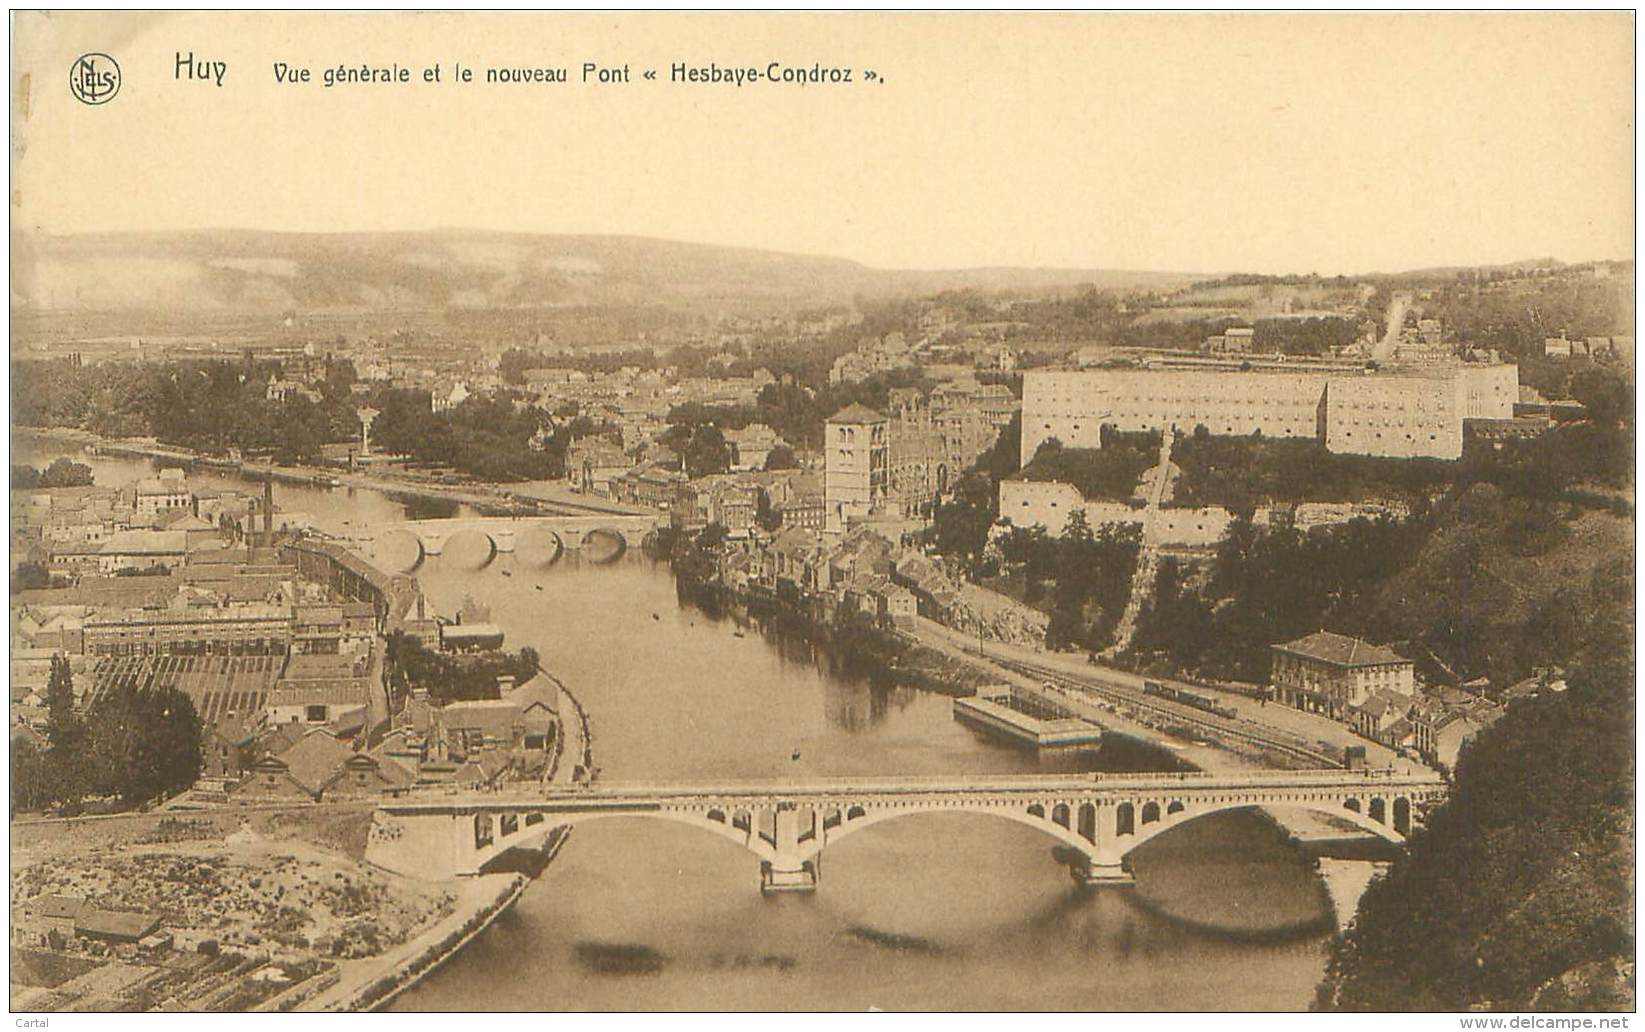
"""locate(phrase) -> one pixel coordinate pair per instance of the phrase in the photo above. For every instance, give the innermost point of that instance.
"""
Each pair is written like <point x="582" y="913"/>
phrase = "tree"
<point x="64" y="472"/>
<point x="781" y="457"/>
<point x="707" y="453"/>
<point x="766" y="516"/>
<point x="65" y="735"/>
<point x="24" y="478"/>
<point x="31" y="783"/>
<point x="530" y="661"/>
<point x="1607" y="397"/>
<point x="28" y="576"/>
<point x="145" y="743"/>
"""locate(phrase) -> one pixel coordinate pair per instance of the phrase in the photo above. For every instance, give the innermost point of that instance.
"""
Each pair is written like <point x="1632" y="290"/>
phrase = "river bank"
<point x="483" y="899"/>
<point x="863" y="647"/>
<point x="362" y="988"/>
<point x="499" y="500"/>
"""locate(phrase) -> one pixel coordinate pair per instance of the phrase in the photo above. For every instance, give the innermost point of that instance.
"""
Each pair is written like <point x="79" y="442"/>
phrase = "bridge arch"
<point x="604" y="545"/>
<point x="1063" y="834"/>
<point x="1329" y="807"/>
<point x="748" y="835"/>
<point x="401" y="549"/>
<point x="538" y="546"/>
<point x="465" y="540"/>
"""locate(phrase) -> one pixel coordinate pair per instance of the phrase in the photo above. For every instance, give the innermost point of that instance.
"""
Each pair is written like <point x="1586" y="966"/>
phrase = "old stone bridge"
<point x="602" y="537"/>
<point x="1098" y="819"/>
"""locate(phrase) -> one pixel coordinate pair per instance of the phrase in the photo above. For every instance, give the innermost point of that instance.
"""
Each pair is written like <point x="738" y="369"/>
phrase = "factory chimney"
<point x="268" y="513"/>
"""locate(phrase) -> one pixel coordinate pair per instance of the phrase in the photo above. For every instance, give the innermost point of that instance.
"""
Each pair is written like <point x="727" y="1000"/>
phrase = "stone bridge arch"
<point x="604" y="544"/>
<point x="1039" y="815"/>
<point x="748" y="835"/>
<point x="489" y="543"/>
<point x="1150" y="818"/>
<point x="400" y="539"/>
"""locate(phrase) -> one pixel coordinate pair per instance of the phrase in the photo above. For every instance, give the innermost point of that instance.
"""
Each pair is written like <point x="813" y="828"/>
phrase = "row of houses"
<point x="1620" y="348"/>
<point x="830" y="579"/>
<point x="1374" y="690"/>
<point x="464" y="744"/>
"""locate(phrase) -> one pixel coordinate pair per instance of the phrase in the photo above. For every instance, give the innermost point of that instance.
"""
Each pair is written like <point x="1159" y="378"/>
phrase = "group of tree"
<point x="1110" y="472"/>
<point x="702" y="447"/>
<point x="454" y="677"/>
<point x="133" y="744"/>
<point x="1269" y="583"/>
<point x="27" y="576"/>
<point x="211" y="406"/>
<point x="797" y="413"/>
<point x="1485" y="583"/>
<point x="516" y="362"/>
<point x="1514" y="316"/>
<point x="1245" y="473"/>
<point x="964" y="521"/>
<point x="1082" y="577"/>
<point x="488" y="437"/>
<point x="1517" y="893"/>
<point x="63" y="472"/>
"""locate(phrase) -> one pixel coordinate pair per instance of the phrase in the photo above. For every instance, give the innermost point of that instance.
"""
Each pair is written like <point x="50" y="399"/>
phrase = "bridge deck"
<point x="636" y="794"/>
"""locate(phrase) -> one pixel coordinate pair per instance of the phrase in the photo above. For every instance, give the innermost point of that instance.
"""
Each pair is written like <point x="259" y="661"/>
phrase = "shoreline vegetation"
<point x="490" y="499"/>
<point x="861" y="647"/>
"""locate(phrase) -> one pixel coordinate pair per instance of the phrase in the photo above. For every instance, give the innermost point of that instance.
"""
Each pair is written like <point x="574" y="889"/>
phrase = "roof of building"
<point x="856" y="412"/>
<point x="159" y="486"/>
<point x="1383" y="703"/>
<point x="115" y="924"/>
<point x="390" y="770"/>
<point x="329" y="691"/>
<point x="540" y="690"/>
<point x="191" y="522"/>
<point x="314" y="759"/>
<point x="1341" y="650"/>
<point x="58" y="906"/>
<point x="470" y="631"/>
<point x="494" y="718"/>
<point x="145" y="542"/>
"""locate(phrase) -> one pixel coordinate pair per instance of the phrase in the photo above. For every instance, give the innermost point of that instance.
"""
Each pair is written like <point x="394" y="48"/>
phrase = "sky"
<point x="1330" y="143"/>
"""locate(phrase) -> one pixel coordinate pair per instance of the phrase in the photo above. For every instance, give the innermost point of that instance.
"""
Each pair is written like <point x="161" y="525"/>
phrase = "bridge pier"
<point x="1345" y="882"/>
<point x="789" y="871"/>
<point x="1104" y="874"/>
<point x="779" y="877"/>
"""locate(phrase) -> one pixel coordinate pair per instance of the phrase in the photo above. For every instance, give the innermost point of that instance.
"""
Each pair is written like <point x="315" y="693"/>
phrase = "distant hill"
<point x="254" y="271"/>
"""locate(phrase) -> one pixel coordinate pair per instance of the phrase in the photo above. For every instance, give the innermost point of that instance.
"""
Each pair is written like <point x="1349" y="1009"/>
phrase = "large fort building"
<point x="1397" y="415"/>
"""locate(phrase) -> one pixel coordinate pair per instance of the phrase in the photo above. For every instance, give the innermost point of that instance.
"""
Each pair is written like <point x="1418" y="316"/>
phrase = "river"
<point x="936" y="912"/>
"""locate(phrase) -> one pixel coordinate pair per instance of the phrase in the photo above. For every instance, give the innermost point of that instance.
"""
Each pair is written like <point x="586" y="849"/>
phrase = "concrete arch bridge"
<point x="1100" y="818"/>
<point x="601" y="538"/>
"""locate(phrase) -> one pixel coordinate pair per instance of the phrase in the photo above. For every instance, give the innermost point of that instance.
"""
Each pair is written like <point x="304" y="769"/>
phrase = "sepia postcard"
<point x="822" y="512"/>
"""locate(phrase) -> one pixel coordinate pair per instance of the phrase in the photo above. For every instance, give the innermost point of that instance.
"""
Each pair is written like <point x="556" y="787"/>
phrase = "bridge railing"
<point x="1370" y="779"/>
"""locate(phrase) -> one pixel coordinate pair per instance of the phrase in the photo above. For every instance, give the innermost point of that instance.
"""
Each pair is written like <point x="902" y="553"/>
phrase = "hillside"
<point x="255" y="271"/>
<point x="1518" y="894"/>
<point x="1503" y="584"/>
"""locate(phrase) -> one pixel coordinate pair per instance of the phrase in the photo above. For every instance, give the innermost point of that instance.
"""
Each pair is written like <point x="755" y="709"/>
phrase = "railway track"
<point x="1235" y="729"/>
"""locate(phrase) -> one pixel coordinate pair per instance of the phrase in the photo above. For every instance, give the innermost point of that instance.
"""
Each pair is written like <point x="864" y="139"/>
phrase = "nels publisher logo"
<point x="94" y="79"/>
